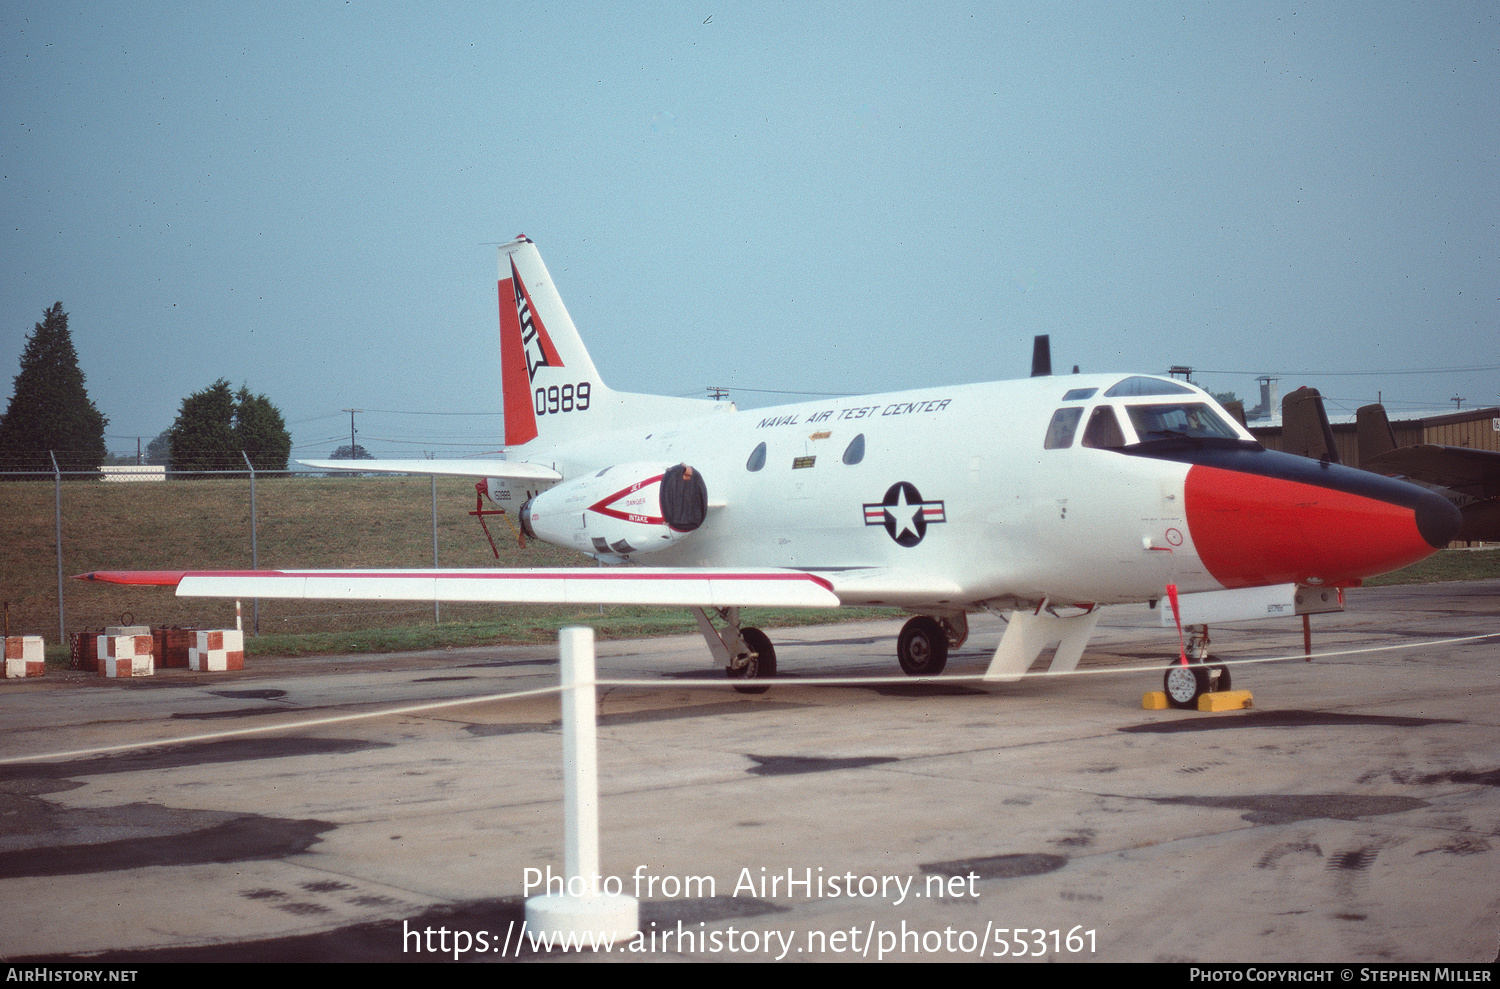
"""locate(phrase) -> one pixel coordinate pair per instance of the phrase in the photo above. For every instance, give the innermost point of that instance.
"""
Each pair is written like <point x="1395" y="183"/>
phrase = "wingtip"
<point x="147" y="578"/>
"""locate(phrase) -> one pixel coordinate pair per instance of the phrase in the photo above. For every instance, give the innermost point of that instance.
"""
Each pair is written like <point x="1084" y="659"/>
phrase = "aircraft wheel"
<point x="1184" y="684"/>
<point x="761" y="666"/>
<point x="1218" y="677"/>
<point x="922" y="647"/>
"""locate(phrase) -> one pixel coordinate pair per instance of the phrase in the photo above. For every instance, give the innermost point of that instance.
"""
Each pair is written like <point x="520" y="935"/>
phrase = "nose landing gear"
<point x="1183" y="685"/>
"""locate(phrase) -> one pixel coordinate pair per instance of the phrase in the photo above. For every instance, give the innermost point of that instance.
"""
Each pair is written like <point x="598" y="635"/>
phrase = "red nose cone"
<point x="1252" y="529"/>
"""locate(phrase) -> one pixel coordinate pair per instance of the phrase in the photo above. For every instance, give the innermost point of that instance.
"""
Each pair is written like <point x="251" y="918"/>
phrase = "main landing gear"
<point x="745" y="653"/>
<point x="922" y="648"/>
<point x="758" y="664"/>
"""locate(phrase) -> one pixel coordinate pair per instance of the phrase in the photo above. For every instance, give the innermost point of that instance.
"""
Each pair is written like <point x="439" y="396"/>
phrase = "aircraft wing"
<point x="893" y="587"/>
<point x="691" y="588"/>
<point x="1471" y="472"/>
<point x="515" y="470"/>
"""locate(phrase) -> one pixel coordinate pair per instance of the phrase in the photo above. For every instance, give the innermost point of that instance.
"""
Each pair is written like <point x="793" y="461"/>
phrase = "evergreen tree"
<point x="203" y="435"/>
<point x="215" y="424"/>
<point x="260" y="431"/>
<point x="347" y="452"/>
<point x="50" y="409"/>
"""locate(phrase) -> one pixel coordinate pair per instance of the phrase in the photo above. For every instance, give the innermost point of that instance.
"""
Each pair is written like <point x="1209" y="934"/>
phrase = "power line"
<point x="415" y="412"/>
<point x="1333" y="374"/>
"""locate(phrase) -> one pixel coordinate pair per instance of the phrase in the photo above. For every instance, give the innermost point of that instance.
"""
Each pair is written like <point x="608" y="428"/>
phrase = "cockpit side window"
<point x="1104" y="429"/>
<point x="1062" y="427"/>
<point x="1178" y="419"/>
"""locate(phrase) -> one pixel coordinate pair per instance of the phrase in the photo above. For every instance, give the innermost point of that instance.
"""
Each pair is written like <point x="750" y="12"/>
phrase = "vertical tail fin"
<point x="1304" y="426"/>
<point x="1041" y="356"/>
<point x="552" y="391"/>
<point x="1373" y="430"/>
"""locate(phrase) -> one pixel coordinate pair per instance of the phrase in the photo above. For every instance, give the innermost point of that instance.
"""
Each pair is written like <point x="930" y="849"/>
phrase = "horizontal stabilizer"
<point x="517" y="470"/>
<point x="687" y="588"/>
<point x="1475" y="473"/>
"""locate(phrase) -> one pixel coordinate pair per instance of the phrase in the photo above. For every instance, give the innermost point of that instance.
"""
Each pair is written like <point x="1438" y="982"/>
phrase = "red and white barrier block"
<point x="24" y="656"/>
<point x="217" y="650"/>
<point x="126" y="655"/>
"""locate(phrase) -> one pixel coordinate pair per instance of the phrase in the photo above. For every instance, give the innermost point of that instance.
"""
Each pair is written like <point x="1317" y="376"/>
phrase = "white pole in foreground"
<point x="583" y="908"/>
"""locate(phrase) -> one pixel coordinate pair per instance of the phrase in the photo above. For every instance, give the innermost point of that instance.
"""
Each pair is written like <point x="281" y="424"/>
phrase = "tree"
<point x="215" y="425"/>
<point x="260" y="431"/>
<point x="159" y="450"/>
<point x="203" y="435"/>
<point x="50" y="409"/>
<point x="346" y="452"/>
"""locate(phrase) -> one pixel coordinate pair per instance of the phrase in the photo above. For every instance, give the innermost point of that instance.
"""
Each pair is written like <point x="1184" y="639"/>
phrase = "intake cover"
<point x="620" y="511"/>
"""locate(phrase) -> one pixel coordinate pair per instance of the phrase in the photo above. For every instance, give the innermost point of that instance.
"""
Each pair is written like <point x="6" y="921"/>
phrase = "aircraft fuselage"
<point x="979" y="481"/>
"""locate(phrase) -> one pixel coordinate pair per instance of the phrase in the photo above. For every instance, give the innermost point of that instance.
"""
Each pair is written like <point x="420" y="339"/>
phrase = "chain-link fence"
<point x="53" y="527"/>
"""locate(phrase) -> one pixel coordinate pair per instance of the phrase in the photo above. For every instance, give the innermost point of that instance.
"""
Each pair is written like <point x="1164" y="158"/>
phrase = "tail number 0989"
<point x="567" y="398"/>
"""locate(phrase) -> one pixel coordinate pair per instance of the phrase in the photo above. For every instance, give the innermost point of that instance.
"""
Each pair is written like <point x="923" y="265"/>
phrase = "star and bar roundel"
<point x="904" y="513"/>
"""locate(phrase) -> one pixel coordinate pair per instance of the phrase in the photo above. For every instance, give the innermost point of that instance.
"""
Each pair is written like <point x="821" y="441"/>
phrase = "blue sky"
<point x="848" y="198"/>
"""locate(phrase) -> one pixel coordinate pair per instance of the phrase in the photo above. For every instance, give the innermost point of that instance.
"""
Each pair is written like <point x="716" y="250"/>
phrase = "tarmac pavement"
<point x="1350" y="816"/>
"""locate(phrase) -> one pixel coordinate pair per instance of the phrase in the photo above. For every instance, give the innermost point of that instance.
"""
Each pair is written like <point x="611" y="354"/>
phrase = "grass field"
<point x="301" y="523"/>
<point x="333" y="522"/>
<point x="1450" y="564"/>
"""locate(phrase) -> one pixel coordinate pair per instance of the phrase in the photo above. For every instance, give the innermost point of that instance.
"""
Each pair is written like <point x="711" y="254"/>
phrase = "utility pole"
<point x="351" y="431"/>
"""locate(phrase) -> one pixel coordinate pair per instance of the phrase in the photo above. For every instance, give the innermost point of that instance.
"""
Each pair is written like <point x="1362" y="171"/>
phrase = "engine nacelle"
<point x="622" y="510"/>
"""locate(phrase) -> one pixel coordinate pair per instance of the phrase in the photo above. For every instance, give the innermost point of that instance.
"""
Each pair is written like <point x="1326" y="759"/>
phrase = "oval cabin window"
<point x="855" y="451"/>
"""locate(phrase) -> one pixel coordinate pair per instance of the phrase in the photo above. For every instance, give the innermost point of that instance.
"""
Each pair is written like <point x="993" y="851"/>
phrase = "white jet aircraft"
<point x="1045" y="497"/>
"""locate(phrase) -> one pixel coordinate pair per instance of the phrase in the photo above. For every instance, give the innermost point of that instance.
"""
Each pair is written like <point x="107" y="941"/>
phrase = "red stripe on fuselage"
<point x="1251" y="530"/>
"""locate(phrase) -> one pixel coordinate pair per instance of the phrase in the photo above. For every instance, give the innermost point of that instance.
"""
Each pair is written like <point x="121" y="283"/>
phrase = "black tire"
<point x="1184" y="685"/>
<point x="1218" y="677"/>
<point x="922" y="648"/>
<point x="762" y="665"/>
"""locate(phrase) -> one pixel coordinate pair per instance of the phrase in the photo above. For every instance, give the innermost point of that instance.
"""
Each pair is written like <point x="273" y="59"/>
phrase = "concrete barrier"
<point x="217" y="650"/>
<point x="25" y="656"/>
<point x="126" y="655"/>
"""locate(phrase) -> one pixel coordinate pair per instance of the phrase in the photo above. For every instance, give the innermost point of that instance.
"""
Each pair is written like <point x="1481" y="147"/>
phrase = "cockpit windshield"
<point x="1176" y="420"/>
